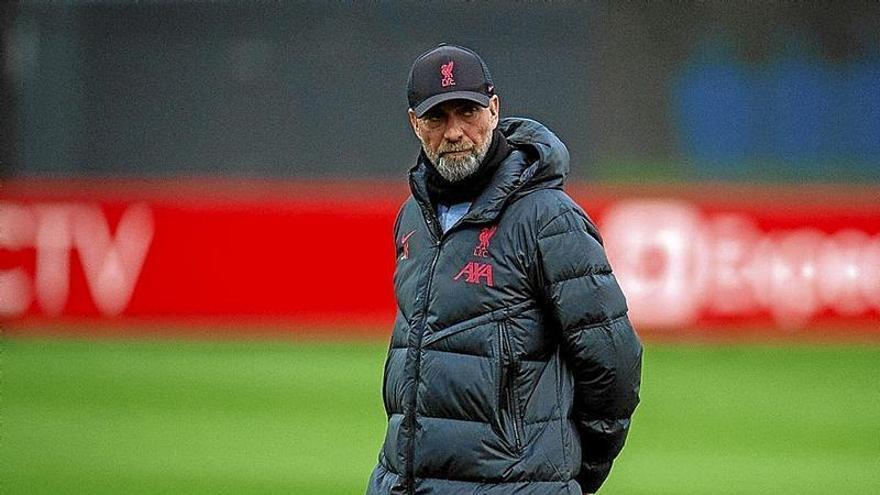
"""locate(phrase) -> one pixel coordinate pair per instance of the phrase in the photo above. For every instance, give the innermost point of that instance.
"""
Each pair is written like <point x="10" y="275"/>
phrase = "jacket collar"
<point x="538" y="161"/>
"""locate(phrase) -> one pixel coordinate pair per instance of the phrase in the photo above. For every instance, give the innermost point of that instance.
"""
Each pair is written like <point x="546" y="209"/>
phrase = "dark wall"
<point x="305" y="90"/>
<point x="317" y="89"/>
<point x="7" y="103"/>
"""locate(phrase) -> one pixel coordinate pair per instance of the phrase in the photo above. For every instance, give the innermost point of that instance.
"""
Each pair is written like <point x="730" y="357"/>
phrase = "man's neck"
<point x="442" y="191"/>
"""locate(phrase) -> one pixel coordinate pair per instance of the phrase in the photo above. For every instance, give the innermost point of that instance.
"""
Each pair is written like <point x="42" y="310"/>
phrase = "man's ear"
<point x="494" y="109"/>
<point x="414" y="123"/>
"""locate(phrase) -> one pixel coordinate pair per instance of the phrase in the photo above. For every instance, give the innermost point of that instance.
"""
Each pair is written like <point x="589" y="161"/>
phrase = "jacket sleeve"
<point x="395" y="231"/>
<point x="598" y="341"/>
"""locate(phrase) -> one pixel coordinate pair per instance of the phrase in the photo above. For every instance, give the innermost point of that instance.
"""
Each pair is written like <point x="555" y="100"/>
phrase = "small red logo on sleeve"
<point x="446" y="79"/>
<point x="404" y="244"/>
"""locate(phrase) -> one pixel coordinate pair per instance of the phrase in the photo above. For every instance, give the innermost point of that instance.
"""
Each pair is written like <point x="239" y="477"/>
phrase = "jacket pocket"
<point x="508" y="397"/>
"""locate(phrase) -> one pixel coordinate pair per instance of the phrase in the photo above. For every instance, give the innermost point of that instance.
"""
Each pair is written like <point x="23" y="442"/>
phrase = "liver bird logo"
<point x="446" y="72"/>
<point x="486" y="234"/>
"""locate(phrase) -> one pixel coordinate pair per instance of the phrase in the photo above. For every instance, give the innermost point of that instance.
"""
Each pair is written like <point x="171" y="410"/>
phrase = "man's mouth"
<point x="454" y="152"/>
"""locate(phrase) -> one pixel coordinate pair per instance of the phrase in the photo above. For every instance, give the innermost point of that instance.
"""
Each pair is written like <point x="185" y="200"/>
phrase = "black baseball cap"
<point x="448" y="72"/>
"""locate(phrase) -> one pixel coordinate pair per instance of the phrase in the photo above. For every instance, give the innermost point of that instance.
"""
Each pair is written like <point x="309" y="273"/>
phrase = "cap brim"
<point x="473" y="96"/>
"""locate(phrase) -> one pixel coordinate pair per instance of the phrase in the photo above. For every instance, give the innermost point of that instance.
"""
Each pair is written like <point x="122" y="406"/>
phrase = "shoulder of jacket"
<point x="547" y="204"/>
<point x="558" y="213"/>
<point x="406" y="208"/>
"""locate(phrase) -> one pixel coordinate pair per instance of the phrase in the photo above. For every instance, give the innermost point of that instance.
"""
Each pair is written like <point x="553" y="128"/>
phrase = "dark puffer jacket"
<point x="513" y="367"/>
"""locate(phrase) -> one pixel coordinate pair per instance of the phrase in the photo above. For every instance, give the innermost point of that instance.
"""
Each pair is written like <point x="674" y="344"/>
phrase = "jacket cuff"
<point x="592" y="476"/>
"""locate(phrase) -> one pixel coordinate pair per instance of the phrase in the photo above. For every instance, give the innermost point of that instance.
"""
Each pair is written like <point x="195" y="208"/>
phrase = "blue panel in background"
<point x="713" y="102"/>
<point x="864" y="98"/>
<point x="798" y="114"/>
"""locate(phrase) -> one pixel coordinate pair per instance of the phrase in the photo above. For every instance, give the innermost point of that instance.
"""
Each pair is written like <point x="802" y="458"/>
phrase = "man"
<point x="513" y="367"/>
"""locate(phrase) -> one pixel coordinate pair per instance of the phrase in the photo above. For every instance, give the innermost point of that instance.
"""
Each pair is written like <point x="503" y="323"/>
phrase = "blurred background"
<point x="196" y="204"/>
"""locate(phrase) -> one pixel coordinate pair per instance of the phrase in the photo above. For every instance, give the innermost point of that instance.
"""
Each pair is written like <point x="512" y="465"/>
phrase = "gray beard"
<point x="455" y="170"/>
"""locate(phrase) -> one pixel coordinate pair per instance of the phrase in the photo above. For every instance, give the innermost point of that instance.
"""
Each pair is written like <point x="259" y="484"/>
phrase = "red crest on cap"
<point x="446" y="79"/>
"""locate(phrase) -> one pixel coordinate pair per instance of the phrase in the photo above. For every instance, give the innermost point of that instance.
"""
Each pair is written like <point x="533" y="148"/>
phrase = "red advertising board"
<point x="704" y="261"/>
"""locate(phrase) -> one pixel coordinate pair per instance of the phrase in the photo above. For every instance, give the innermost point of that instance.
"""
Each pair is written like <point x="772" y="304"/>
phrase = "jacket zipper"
<point x="510" y="368"/>
<point x="438" y="235"/>
<point x="410" y="458"/>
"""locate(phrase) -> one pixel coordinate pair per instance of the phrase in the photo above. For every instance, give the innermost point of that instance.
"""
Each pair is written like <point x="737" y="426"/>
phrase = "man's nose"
<point x="453" y="130"/>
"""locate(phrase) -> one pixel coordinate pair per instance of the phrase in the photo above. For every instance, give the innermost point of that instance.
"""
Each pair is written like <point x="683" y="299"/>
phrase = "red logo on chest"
<point x="482" y="249"/>
<point x="475" y="273"/>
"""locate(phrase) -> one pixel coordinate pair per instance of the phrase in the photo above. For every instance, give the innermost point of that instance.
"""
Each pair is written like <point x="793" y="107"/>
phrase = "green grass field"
<point x="190" y="417"/>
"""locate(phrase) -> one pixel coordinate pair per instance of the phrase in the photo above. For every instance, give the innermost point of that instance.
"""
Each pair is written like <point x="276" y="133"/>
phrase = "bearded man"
<point x="513" y="367"/>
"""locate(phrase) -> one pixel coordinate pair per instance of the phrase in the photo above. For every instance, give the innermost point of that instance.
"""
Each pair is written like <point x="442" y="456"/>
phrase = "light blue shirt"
<point x="448" y="215"/>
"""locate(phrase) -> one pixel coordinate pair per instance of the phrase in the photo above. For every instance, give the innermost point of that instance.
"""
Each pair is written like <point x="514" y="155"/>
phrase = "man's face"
<point x="456" y="135"/>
